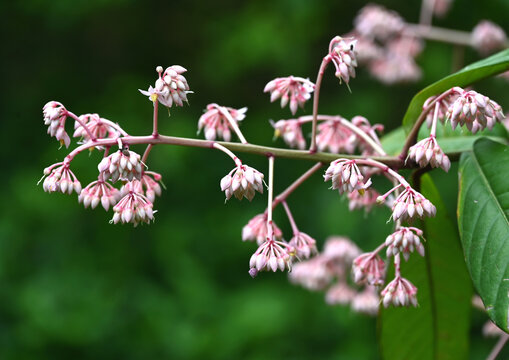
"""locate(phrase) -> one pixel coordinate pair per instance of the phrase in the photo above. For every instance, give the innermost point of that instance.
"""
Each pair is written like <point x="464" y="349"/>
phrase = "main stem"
<point x="270" y="195"/>
<point x="316" y="99"/>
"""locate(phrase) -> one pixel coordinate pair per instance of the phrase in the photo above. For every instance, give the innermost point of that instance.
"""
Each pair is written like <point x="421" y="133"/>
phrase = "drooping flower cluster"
<point x="399" y="292"/>
<point x="376" y="22"/>
<point x="428" y="151"/>
<point x="150" y="182"/>
<point x="410" y="204"/>
<point x="346" y="176"/>
<point x="443" y="106"/>
<point x="59" y="178"/>
<point x="304" y="245"/>
<point x="369" y="268"/>
<point x="488" y="37"/>
<point x="241" y="182"/>
<point x="335" y="138"/>
<point x="404" y="240"/>
<point x="271" y="256"/>
<point x="342" y="55"/>
<point x="366" y="201"/>
<point x="99" y="191"/>
<point x="55" y="114"/>
<point x="97" y="126"/>
<point x="171" y="87"/>
<point x="256" y="229"/>
<point x="216" y="121"/>
<point x="474" y="111"/>
<point x="293" y="90"/>
<point x="122" y="164"/>
<point x="291" y="132"/>
<point x="133" y="207"/>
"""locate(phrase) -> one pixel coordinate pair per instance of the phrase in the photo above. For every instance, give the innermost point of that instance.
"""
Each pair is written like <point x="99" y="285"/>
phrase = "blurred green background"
<point x="74" y="286"/>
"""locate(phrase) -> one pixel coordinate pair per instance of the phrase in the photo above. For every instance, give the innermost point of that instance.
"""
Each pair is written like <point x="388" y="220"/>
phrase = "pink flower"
<point x="55" y="115"/>
<point x="411" y="204"/>
<point x="99" y="192"/>
<point x="292" y="133"/>
<point x="443" y="106"/>
<point x="123" y="164"/>
<point x="256" y="229"/>
<point x="406" y="46"/>
<point x="272" y="255"/>
<point x="171" y="87"/>
<point x="134" y="207"/>
<point x="60" y="178"/>
<point x="375" y="21"/>
<point x="366" y="50"/>
<point x="399" y="292"/>
<point x="304" y="245"/>
<point x="371" y="130"/>
<point x="313" y="274"/>
<point x="366" y="301"/>
<point x="151" y="185"/>
<point x="393" y="69"/>
<point x="342" y="55"/>
<point x="366" y="200"/>
<point x="346" y="176"/>
<point x="216" y="124"/>
<point x="339" y="248"/>
<point x="98" y="126"/>
<point x="291" y="89"/>
<point x="474" y="110"/>
<point x="488" y="37"/>
<point x="405" y="240"/>
<point x="334" y="136"/>
<point x="428" y="151"/>
<point x="242" y="181"/>
<point x="340" y="294"/>
<point x="370" y="268"/>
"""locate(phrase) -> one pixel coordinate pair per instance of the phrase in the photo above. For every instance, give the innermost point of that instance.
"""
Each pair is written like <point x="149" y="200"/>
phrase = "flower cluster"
<point x="399" y="292"/>
<point x="488" y="37"/>
<point x="291" y="132"/>
<point x="335" y="137"/>
<point x="133" y="207"/>
<point x="217" y="121"/>
<point x="428" y="151"/>
<point x="97" y="126"/>
<point x="55" y="114"/>
<point x="376" y="22"/>
<point x="99" y="192"/>
<point x="256" y="229"/>
<point x="369" y="268"/>
<point x="404" y="240"/>
<point x="342" y="55"/>
<point x="411" y="204"/>
<point x="304" y="245"/>
<point x="60" y="179"/>
<point x="171" y="87"/>
<point x="272" y="255"/>
<point x="241" y="182"/>
<point x="346" y="176"/>
<point x="122" y="164"/>
<point x="293" y="90"/>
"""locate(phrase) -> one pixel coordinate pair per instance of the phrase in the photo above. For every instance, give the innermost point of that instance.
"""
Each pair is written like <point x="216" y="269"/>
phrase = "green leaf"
<point x="449" y="140"/>
<point x="483" y="219"/>
<point x="479" y="70"/>
<point x="439" y="327"/>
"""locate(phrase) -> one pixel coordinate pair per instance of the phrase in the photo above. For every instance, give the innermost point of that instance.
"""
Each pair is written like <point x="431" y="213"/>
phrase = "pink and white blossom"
<point x="375" y="21"/>
<point x="215" y="122"/>
<point x="340" y="294"/>
<point x="313" y="274"/>
<point x="488" y="37"/>
<point x="99" y="192"/>
<point x="346" y="176"/>
<point x="410" y="204"/>
<point x="335" y="137"/>
<point x="171" y="87"/>
<point x="427" y="151"/>
<point x="150" y="182"/>
<point x="123" y="164"/>
<point x="241" y="182"/>
<point x="256" y="229"/>
<point x="399" y="292"/>
<point x="293" y="90"/>
<point x="97" y="126"/>
<point x="272" y="255"/>
<point x="342" y="55"/>
<point x="366" y="201"/>
<point x="404" y="240"/>
<point x="55" y="114"/>
<point x="474" y="110"/>
<point x="60" y="178"/>
<point x="133" y="207"/>
<point x="304" y="245"/>
<point x="443" y="107"/>
<point x="370" y="268"/>
<point x="340" y="248"/>
<point x="392" y="69"/>
<point x="291" y="131"/>
<point x="366" y="301"/>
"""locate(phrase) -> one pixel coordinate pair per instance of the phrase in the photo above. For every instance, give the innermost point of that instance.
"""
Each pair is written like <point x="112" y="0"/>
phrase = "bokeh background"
<point x="74" y="286"/>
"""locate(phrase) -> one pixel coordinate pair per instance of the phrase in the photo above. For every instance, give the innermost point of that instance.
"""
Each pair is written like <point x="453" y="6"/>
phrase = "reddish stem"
<point x="295" y="229"/>
<point x="284" y="195"/>
<point x="155" y="133"/>
<point x="316" y="99"/>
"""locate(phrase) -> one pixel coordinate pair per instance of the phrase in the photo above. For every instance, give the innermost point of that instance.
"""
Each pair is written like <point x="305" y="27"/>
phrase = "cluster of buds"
<point x="55" y="114"/>
<point x="171" y="87"/>
<point x="217" y="121"/>
<point x="399" y="292"/>
<point x="329" y="271"/>
<point x="342" y="55"/>
<point x="376" y="22"/>
<point x="404" y="240"/>
<point x="474" y="111"/>
<point x="293" y="90"/>
<point x="369" y="268"/>
<point x="241" y="182"/>
<point x="256" y="229"/>
<point x="304" y="245"/>
<point x="100" y="128"/>
<point x="133" y="207"/>
<point x="99" y="192"/>
<point x="59" y="178"/>
<point x="271" y="255"/>
<point x="346" y="176"/>
<point x="444" y="103"/>
<point x="335" y="138"/>
<point x="488" y="37"/>
<point x="291" y="132"/>
<point x="122" y="164"/>
<point x="150" y="182"/>
<point x="428" y="151"/>
<point x="410" y="204"/>
<point x="365" y="201"/>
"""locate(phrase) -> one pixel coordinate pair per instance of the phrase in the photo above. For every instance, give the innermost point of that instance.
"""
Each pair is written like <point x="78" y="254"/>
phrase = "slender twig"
<point x="155" y="132"/>
<point x="498" y="347"/>
<point x="229" y="153"/>
<point x="282" y="197"/>
<point x="145" y="154"/>
<point x="232" y="122"/>
<point x="439" y="34"/>
<point x="426" y="15"/>
<point x="82" y="124"/>
<point x="316" y="99"/>
<point x="295" y="229"/>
